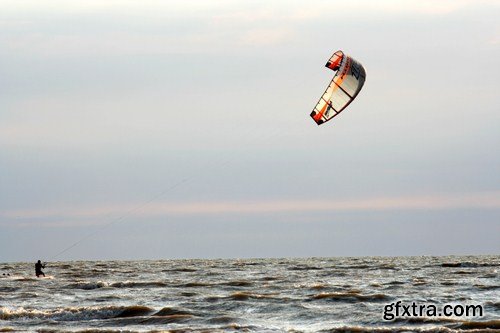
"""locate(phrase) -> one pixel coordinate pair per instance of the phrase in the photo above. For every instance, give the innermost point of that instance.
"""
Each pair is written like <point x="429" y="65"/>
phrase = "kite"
<point x="346" y="84"/>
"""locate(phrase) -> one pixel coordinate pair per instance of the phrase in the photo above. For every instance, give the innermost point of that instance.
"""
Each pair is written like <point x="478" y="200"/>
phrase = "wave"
<point x="271" y="278"/>
<point x="419" y="282"/>
<point x="103" y="264"/>
<point x="486" y="287"/>
<point x="133" y="284"/>
<point x="134" y="311"/>
<point x="351" y="296"/>
<point x="125" y="284"/>
<point x="305" y="268"/>
<point x="464" y="272"/>
<point x="243" y="296"/>
<point x="237" y="283"/>
<point x="474" y="325"/>
<point x="100" y="330"/>
<point x="223" y="320"/>
<point x="353" y="267"/>
<point x="87" y="285"/>
<point x="221" y="297"/>
<point x="490" y="275"/>
<point x="188" y="294"/>
<point x="388" y="266"/>
<point x="318" y="286"/>
<point x="93" y="313"/>
<point x="193" y="285"/>
<point x="469" y="264"/>
<point x="168" y="311"/>
<point x="451" y="264"/>
<point x="400" y="329"/>
<point x="182" y="269"/>
<point x="495" y="305"/>
<point x="248" y="263"/>
<point x="395" y="283"/>
<point x="481" y="264"/>
<point x="62" y="314"/>
<point x="452" y="323"/>
<point x="143" y="315"/>
<point x="162" y="320"/>
<point x="23" y="278"/>
<point x="424" y="320"/>
<point x="449" y="283"/>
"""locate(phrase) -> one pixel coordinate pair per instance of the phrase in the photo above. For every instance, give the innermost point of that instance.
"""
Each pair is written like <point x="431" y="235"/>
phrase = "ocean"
<point x="253" y="295"/>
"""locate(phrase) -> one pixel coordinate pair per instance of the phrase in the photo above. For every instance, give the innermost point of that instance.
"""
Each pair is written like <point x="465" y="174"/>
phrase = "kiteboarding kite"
<point x="346" y="84"/>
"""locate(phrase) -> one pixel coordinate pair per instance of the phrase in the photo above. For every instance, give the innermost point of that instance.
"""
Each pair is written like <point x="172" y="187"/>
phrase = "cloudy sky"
<point x="181" y="129"/>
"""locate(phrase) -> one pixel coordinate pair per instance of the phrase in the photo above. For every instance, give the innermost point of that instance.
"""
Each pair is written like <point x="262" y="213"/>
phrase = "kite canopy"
<point x="348" y="80"/>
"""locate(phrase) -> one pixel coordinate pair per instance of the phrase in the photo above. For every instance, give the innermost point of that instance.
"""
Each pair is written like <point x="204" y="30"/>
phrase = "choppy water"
<point x="251" y="295"/>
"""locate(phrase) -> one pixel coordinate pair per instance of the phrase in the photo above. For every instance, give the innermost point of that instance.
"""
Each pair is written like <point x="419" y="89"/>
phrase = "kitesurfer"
<point x="38" y="269"/>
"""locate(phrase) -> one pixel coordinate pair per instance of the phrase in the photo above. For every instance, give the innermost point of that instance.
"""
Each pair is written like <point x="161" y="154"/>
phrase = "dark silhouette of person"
<point x="38" y="269"/>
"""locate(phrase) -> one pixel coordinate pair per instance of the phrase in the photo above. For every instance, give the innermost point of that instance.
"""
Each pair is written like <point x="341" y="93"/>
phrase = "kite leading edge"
<point x="346" y="84"/>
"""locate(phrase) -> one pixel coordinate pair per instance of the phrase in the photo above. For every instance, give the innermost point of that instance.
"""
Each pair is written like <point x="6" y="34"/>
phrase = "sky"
<point x="181" y="129"/>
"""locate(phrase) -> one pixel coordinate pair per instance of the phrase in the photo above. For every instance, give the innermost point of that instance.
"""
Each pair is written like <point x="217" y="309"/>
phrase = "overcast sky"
<point x="181" y="129"/>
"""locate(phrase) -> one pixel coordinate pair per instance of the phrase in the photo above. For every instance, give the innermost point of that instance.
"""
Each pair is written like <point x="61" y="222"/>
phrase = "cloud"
<point x="413" y="7"/>
<point x="164" y="27"/>
<point x="133" y="28"/>
<point x="266" y="36"/>
<point x="90" y="215"/>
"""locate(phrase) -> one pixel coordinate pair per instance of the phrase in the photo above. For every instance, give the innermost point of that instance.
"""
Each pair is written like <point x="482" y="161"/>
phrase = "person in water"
<point x="38" y="269"/>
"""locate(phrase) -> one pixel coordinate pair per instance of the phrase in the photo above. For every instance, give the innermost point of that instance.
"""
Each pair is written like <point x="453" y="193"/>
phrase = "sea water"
<point x="250" y="295"/>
